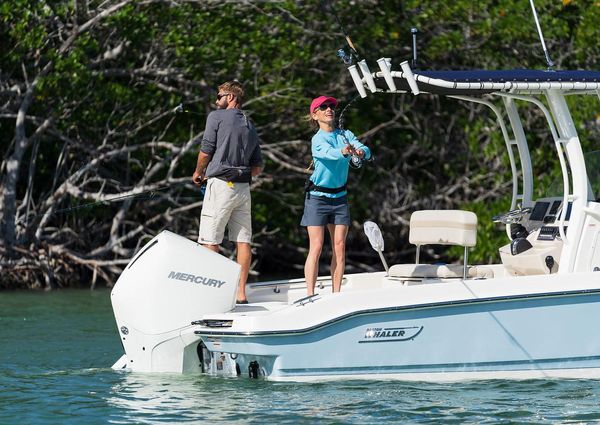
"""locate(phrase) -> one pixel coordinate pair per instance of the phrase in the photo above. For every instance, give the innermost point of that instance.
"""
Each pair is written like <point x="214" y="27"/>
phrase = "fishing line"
<point x="328" y="7"/>
<point x="355" y="160"/>
<point x="148" y="194"/>
<point x="180" y="109"/>
<point x="341" y="118"/>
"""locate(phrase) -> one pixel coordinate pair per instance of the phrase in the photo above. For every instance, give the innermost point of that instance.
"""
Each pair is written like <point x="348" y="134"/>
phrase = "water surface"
<point x="57" y="348"/>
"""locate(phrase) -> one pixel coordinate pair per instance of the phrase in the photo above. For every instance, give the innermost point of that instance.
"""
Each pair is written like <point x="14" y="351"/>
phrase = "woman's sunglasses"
<point x="324" y="106"/>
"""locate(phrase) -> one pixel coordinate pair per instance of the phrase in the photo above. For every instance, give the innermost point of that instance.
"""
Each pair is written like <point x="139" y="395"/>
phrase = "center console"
<point x="542" y="225"/>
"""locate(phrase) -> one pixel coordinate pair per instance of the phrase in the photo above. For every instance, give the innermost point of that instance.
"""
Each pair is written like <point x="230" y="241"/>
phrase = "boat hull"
<point x="542" y="335"/>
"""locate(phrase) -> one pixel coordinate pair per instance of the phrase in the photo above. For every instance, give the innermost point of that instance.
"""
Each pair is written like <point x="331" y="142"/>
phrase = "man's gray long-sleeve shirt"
<point x="232" y="141"/>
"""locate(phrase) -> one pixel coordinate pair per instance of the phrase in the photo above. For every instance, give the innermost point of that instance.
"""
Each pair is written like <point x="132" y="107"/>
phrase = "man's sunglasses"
<point x="220" y="95"/>
<point x="324" y="106"/>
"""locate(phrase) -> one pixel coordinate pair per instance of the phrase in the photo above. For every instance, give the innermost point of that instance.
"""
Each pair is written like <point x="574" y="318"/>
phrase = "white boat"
<point x="531" y="315"/>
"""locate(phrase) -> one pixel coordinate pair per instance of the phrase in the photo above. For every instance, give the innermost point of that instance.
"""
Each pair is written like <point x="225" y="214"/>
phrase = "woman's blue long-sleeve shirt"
<point x="331" y="166"/>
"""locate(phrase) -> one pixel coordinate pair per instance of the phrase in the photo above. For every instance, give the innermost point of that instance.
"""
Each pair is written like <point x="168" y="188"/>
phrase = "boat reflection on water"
<point x="169" y="397"/>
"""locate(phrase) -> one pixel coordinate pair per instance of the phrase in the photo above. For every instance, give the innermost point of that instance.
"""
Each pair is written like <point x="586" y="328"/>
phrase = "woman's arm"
<point x="361" y="149"/>
<point x="323" y="150"/>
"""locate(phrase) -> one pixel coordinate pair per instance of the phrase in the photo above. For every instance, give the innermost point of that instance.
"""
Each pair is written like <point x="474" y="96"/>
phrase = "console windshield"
<point x="592" y="165"/>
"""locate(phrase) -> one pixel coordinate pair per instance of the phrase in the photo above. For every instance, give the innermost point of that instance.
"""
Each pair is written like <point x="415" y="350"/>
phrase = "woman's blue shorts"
<point x="321" y="210"/>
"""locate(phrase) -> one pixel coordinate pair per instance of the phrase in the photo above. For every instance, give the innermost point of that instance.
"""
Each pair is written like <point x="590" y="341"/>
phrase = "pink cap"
<point x="320" y="100"/>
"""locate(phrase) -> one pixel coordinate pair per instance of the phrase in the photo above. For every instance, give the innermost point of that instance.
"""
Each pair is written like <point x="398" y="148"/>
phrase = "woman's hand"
<point x="347" y="150"/>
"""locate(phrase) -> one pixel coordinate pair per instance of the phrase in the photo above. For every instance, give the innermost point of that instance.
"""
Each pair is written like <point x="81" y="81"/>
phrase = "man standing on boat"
<point x="228" y="159"/>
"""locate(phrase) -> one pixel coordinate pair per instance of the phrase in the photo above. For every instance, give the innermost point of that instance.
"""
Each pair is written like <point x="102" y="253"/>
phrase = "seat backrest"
<point x="443" y="227"/>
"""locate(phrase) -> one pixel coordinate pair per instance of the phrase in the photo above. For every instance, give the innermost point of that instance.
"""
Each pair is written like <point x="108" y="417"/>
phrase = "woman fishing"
<point x="326" y="202"/>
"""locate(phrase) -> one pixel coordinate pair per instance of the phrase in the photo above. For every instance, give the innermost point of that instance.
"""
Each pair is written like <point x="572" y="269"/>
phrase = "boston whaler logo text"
<point x="196" y="279"/>
<point x="391" y="334"/>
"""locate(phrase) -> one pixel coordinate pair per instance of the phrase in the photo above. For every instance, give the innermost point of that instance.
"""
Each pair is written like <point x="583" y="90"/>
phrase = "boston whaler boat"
<point x="532" y="315"/>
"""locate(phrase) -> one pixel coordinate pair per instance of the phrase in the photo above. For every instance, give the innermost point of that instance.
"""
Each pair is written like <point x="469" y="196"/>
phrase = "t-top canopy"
<point x="483" y="81"/>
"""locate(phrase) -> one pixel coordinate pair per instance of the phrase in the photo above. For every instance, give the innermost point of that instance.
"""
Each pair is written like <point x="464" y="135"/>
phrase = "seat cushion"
<point x="443" y="227"/>
<point x="440" y="271"/>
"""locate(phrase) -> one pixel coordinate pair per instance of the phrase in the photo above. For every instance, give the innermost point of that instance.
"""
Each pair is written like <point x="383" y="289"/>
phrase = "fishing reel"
<point x="356" y="161"/>
<point x="180" y="109"/>
<point x="345" y="56"/>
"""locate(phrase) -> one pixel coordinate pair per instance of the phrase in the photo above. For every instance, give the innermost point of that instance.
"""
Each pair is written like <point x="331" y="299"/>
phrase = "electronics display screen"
<point x="569" y="206"/>
<point x="539" y="211"/>
<point x="554" y="208"/>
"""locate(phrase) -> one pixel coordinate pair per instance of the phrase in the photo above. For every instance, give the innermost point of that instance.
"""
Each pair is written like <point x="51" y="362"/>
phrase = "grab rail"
<point x="593" y="213"/>
<point x="282" y="282"/>
<point x="507" y="141"/>
<point x="561" y="157"/>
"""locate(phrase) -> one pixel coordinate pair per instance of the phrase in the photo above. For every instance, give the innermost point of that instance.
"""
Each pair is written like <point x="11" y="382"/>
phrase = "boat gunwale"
<point x="414" y="307"/>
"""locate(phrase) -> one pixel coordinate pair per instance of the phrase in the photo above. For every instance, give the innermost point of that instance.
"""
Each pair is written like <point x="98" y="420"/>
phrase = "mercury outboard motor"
<point x="171" y="282"/>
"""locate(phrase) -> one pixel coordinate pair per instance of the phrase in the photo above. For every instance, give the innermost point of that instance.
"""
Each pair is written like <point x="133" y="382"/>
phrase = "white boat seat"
<point x="438" y="271"/>
<point x="441" y="227"/>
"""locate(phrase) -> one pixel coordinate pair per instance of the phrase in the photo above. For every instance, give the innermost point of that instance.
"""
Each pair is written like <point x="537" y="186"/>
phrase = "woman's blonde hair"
<point x="313" y="122"/>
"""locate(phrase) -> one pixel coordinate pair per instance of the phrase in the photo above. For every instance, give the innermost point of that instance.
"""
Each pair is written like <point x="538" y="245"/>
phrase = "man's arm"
<point x="207" y="148"/>
<point x="255" y="171"/>
<point x="203" y="160"/>
<point x="256" y="161"/>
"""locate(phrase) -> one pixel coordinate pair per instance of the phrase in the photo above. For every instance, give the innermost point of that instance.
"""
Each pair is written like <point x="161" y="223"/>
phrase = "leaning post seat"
<point x="441" y="227"/>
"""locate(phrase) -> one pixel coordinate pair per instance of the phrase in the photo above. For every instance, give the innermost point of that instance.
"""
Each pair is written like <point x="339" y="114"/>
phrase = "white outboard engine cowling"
<point x="168" y="284"/>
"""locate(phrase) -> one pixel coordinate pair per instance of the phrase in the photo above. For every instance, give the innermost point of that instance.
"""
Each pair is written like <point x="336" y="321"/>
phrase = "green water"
<point x="57" y="348"/>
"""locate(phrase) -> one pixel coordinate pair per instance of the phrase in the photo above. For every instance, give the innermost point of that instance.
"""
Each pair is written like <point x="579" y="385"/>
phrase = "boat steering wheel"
<point x="513" y="216"/>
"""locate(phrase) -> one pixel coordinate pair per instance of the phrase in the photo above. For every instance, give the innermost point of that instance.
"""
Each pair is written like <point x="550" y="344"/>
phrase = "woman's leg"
<point x="338" y="234"/>
<point x="331" y="229"/>
<point x="311" y="267"/>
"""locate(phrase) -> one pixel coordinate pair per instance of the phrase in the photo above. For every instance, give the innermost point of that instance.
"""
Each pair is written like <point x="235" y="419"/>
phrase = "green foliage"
<point x="115" y="84"/>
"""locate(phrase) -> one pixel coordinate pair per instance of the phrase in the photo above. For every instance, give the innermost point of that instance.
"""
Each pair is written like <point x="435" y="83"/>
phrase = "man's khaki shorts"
<point x="225" y="204"/>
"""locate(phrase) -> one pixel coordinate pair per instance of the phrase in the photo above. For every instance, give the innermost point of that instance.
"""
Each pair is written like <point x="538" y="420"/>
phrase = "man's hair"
<point x="234" y="87"/>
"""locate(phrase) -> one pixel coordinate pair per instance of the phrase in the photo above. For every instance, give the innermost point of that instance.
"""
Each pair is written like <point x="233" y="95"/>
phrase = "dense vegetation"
<point x="88" y="91"/>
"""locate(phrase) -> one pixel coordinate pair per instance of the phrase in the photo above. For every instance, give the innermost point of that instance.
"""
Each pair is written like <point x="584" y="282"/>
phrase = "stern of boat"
<point x="169" y="284"/>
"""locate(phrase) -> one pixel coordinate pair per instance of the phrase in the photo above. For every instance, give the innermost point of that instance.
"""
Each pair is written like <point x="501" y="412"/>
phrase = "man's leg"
<point x="212" y="224"/>
<point x="240" y="231"/>
<point x="214" y="248"/>
<point x="244" y="258"/>
<point x="311" y="267"/>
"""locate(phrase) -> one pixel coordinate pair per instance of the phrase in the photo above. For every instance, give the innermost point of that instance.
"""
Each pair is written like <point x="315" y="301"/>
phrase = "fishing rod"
<point x="355" y="160"/>
<point x="345" y="56"/>
<point x="539" y="29"/>
<point x="147" y="194"/>
<point x="180" y="109"/>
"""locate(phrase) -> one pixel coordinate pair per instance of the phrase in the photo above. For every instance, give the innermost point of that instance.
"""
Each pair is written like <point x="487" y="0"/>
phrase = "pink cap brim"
<point x="320" y="100"/>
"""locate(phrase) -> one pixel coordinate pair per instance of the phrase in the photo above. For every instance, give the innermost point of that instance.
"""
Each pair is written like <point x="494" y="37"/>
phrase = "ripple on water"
<point x="57" y="350"/>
